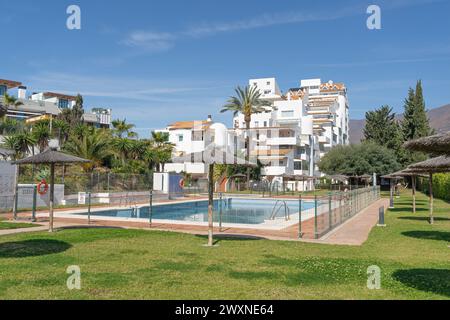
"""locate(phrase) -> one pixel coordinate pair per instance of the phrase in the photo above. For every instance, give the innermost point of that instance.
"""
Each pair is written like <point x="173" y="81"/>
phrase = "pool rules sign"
<point x="7" y="184"/>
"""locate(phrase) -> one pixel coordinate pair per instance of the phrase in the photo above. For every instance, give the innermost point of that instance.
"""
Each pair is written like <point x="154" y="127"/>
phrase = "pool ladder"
<point x="277" y="207"/>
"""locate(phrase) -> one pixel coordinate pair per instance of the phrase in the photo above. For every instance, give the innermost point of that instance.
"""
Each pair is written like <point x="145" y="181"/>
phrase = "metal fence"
<point x="330" y="211"/>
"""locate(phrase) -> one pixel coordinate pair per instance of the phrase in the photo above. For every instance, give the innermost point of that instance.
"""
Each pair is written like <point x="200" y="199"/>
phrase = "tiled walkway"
<point x="355" y="231"/>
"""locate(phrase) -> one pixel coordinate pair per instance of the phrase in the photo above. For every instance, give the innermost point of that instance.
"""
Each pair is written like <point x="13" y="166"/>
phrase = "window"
<point x="265" y="123"/>
<point x="297" y="165"/>
<point x="2" y="90"/>
<point x="63" y="103"/>
<point x="180" y="138"/>
<point x="267" y="91"/>
<point x="287" y="114"/>
<point x="256" y="124"/>
<point x="268" y="83"/>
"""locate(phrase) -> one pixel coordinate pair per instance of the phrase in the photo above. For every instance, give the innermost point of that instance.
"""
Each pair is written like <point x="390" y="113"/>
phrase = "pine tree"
<point x="383" y="129"/>
<point x="408" y="124"/>
<point x="423" y="126"/>
<point x="415" y="123"/>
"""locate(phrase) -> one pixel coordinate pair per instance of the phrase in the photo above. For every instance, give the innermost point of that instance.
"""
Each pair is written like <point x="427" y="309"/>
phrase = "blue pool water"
<point x="243" y="211"/>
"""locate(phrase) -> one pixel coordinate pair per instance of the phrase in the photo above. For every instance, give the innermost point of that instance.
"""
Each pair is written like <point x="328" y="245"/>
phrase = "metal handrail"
<point x="275" y="212"/>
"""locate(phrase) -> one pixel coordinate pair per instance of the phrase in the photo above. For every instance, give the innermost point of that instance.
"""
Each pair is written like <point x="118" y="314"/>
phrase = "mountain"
<point x="439" y="120"/>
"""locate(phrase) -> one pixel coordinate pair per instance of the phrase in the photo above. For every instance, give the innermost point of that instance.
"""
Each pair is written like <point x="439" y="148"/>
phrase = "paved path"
<point x="356" y="230"/>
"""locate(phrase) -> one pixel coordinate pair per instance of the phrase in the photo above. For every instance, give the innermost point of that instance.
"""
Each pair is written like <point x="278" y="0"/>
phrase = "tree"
<point x="62" y="129"/>
<point x="20" y="142"/>
<point x="382" y="128"/>
<point x="247" y="101"/>
<point x="10" y="126"/>
<point x="121" y="128"/>
<point x="415" y="123"/>
<point x="41" y="134"/>
<point x="94" y="146"/>
<point x="365" y="158"/>
<point x="160" y="138"/>
<point x="11" y="101"/>
<point x="73" y="116"/>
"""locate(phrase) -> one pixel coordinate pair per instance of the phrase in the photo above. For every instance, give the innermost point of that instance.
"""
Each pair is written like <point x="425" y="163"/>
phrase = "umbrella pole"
<point x="413" y="181"/>
<point x="52" y="192"/>
<point x="431" y="199"/>
<point x="210" y="204"/>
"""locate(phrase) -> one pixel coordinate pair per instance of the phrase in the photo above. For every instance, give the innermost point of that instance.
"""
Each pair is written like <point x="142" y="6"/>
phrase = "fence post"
<point x="330" y="213"/>
<point x="16" y="202"/>
<point x="89" y="208"/>
<point x="316" y="233"/>
<point x="300" y="235"/>
<point x="150" y="208"/>
<point x="220" y="211"/>
<point x="33" y="210"/>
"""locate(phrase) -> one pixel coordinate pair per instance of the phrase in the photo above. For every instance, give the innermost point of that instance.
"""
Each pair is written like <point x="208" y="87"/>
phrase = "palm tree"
<point x="94" y="146"/>
<point x="123" y="147"/>
<point x="41" y="133"/>
<point x="21" y="143"/>
<point x="11" y="101"/>
<point x="10" y="126"/>
<point x="160" y="138"/>
<point x="121" y="127"/>
<point x="63" y="130"/>
<point x="247" y="101"/>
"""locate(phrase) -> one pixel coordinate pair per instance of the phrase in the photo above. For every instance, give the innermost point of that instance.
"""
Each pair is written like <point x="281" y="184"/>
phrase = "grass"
<point x="14" y="225"/>
<point x="138" y="264"/>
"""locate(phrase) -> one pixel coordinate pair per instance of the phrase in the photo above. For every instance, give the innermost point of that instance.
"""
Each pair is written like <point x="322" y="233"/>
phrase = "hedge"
<point x="441" y="186"/>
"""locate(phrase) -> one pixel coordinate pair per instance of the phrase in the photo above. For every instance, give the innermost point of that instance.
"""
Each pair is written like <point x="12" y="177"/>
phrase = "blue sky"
<point x="155" y="62"/>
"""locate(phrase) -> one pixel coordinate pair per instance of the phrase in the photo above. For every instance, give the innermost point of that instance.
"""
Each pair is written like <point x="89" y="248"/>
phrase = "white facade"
<point x="308" y="120"/>
<point x="289" y="138"/>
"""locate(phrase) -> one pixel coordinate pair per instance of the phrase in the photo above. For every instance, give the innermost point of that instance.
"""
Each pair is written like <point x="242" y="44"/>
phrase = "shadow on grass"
<point x="424" y="218"/>
<point x="32" y="248"/>
<point x="428" y="235"/>
<point x="230" y="237"/>
<point x="429" y="280"/>
<point x="409" y="208"/>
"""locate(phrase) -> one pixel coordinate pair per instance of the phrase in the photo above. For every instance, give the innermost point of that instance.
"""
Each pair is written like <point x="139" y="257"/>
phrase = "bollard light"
<point x="381" y="217"/>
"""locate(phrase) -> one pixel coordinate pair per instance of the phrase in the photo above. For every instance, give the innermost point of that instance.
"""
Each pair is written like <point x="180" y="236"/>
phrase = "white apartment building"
<point x="289" y="138"/>
<point x="49" y="104"/>
<point x="189" y="137"/>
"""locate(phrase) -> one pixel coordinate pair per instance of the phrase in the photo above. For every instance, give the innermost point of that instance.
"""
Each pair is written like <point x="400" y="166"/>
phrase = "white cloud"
<point x="150" y="41"/>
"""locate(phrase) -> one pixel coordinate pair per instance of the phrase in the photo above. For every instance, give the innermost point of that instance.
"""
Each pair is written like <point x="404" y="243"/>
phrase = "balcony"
<point x="289" y="141"/>
<point x="324" y="139"/>
<point x="275" y="171"/>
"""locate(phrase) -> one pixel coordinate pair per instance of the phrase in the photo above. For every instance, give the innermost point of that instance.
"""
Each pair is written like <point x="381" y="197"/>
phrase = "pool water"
<point x="243" y="211"/>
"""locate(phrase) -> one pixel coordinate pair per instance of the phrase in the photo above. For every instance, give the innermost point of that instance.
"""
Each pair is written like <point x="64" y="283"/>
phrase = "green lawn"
<point x="136" y="264"/>
<point x="12" y="225"/>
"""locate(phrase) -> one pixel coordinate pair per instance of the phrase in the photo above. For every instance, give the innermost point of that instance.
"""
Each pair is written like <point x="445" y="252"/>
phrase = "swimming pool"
<point x="240" y="211"/>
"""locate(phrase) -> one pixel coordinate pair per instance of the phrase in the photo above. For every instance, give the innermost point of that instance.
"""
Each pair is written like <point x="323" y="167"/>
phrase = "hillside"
<point x="439" y="120"/>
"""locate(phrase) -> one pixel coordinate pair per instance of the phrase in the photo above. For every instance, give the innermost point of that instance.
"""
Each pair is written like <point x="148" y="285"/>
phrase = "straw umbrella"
<point x="413" y="174"/>
<point x="431" y="166"/>
<point x="391" y="178"/>
<point x="213" y="154"/>
<point x="52" y="158"/>
<point x="437" y="144"/>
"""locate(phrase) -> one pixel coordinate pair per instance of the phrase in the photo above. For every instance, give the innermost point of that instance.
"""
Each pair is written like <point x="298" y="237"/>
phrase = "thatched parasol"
<point x="392" y="177"/>
<point x="437" y="144"/>
<point x="435" y="165"/>
<point x="213" y="154"/>
<point x="51" y="157"/>
<point x="413" y="175"/>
